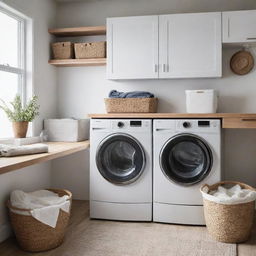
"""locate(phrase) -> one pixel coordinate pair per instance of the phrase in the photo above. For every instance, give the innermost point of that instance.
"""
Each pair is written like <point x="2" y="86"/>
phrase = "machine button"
<point x="120" y="124"/>
<point x="186" y="124"/>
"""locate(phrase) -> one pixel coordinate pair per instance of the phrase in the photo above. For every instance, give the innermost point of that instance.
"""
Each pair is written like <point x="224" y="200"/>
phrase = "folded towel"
<point x="12" y="150"/>
<point x="44" y="205"/>
<point x="135" y="94"/>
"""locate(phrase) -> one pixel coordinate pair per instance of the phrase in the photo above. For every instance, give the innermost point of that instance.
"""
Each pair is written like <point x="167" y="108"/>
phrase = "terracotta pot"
<point x="20" y="129"/>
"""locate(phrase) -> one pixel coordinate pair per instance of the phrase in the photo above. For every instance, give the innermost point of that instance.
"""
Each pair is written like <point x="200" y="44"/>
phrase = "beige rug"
<point x="108" y="238"/>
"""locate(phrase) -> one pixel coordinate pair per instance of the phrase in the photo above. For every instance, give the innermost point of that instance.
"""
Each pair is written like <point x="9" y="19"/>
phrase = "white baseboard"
<point x="5" y="232"/>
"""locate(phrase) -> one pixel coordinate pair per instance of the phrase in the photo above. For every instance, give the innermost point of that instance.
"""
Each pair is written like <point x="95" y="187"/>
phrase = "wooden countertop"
<point x="56" y="150"/>
<point x="174" y="115"/>
<point x="229" y="120"/>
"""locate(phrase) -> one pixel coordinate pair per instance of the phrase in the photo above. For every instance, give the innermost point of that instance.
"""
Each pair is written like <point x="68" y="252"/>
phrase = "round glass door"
<point x="120" y="158"/>
<point x="186" y="159"/>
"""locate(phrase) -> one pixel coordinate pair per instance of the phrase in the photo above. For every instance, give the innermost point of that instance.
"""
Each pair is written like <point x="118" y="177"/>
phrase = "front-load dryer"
<point x="121" y="169"/>
<point x="187" y="154"/>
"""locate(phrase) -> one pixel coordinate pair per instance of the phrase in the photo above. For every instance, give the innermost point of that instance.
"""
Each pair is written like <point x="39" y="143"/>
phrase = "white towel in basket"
<point x="44" y="205"/>
<point x="233" y="195"/>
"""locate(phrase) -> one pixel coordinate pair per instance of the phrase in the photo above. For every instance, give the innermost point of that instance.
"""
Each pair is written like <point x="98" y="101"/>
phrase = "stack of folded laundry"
<point x="135" y="94"/>
<point x="13" y="150"/>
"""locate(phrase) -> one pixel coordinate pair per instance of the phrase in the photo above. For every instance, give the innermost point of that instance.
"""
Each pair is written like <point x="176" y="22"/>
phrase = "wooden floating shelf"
<point x="79" y="62"/>
<point x="56" y="150"/>
<point x="79" y="31"/>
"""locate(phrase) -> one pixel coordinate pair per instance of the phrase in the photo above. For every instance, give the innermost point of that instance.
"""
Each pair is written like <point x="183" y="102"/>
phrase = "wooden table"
<point x="56" y="150"/>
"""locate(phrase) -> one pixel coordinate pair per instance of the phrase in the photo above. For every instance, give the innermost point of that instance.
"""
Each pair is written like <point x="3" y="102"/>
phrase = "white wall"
<point x="81" y="90"/>
<point x="43" y="14"/>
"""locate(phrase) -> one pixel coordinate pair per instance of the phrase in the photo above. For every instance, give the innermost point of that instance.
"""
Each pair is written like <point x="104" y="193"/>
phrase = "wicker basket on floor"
<point x="229" y="223"/>
<point x="33" y="235"/>
<point x="131" y="105"/>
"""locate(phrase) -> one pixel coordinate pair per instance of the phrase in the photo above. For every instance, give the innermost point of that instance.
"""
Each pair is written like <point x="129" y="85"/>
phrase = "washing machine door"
<point x="120" y="158"/>
<point x="186" y="159"/>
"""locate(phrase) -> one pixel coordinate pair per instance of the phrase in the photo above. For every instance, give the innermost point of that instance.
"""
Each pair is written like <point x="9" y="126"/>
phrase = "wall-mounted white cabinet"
<point x="239" y="26"/>
<point x="190" y="45"/>
<point x="132" y="47"/>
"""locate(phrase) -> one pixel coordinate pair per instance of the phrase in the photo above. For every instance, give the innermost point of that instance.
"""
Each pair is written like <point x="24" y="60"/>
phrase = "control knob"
<point x="120" y="124"/>
<point x="186" y="124"/>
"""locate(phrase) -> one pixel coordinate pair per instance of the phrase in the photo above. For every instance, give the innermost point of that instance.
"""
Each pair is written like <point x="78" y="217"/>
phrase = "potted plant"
<point x="20" y="116"/>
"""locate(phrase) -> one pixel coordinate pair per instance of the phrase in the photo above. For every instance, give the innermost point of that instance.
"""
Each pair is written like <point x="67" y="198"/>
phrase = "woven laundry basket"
<point x="90" y="50"/>
<point x="229" y="223"/>
<point x="35" y="236"/>
<point x="131" y="105"/>
<point x="63" y="50"/>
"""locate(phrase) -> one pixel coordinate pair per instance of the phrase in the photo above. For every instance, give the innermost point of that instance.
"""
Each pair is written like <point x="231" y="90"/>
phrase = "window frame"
<point x="21" y="69"/>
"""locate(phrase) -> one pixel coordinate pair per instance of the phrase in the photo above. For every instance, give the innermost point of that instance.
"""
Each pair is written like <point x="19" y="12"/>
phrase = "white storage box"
<point x="201" y="101"/>
<point x="69" y="130"/>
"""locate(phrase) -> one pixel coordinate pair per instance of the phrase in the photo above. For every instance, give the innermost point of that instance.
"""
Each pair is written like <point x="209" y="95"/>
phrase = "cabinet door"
<point x="190" y="45"/>
<point x="239" y="26"/>
<point x="132" y="47"/>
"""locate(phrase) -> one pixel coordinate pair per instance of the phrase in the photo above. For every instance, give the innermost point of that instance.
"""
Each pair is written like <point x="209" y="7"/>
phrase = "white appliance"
<point x="121" y="169"/>
<point x="187" y="154"/>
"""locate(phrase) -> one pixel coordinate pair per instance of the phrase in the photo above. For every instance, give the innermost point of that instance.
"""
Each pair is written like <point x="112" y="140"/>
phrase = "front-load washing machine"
<point x="121" y="169"/>
<point x="187" y="154"/>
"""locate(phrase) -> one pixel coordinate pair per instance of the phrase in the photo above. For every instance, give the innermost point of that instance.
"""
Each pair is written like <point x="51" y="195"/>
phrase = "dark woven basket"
<point x="33" y="235"/>
<point x="229" y="223"/>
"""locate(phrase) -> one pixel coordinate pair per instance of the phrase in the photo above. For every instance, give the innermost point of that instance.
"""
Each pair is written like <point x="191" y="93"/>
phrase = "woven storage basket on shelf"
<point x="229" y="223"/>
<point x="90" y="50"/>
<point x="63" y="50"/>
<point x="35" y="236"/>
<point x="131" y="105"/>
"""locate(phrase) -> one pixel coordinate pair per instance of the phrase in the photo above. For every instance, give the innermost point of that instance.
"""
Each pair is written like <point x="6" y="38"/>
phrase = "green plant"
<point x="18" y="113"/>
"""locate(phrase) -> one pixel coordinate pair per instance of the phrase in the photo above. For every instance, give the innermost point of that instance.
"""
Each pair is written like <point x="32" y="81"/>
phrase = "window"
<point x="12" y="63"/>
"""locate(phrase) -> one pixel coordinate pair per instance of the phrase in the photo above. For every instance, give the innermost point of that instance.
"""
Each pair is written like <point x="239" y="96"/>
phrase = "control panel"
<point x="126" y="124"/>
<point x="190" y="125"/>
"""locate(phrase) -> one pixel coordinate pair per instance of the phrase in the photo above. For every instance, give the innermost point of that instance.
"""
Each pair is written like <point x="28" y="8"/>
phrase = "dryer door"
<point x="120" y="158"/>
<point x="186" y="159"/>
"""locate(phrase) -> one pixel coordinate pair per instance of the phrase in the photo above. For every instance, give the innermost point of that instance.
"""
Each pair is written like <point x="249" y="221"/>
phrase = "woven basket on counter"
<point x="229" y="223"/>
<point x="90" y="50"/>
<point x="131" y="105"/>
<point x="63" y="50"/>
<point x="33" y="235"/>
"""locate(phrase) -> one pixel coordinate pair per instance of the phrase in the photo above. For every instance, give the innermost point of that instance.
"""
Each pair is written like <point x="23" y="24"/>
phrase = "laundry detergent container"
<point x="35" y="236"/>
<point x="228" y="223"/>
<point x="201" y="101"/>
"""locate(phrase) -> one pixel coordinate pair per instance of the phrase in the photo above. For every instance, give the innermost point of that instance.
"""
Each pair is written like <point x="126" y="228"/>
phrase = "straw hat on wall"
<point x="242" y="62"/>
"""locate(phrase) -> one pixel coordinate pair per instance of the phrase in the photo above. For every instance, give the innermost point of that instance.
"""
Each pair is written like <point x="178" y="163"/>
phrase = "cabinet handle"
<point x="156" y="68"/>
<point x="164" y="67"/>
<point x="249" y="119"/>
<point x="163" y="129"/>
<point x="251" y="38"/>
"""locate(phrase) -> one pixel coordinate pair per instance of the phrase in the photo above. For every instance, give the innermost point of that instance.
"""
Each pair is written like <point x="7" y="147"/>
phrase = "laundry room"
<point x="127" y="127"/>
